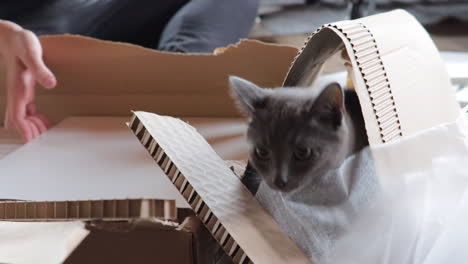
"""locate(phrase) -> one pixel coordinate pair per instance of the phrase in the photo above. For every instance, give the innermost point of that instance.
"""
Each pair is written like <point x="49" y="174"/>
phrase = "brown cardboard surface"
<point x="92" y="73"/>
<point x="123" y="243"/>
<point x="9" y="142"/>
<point x="242" y="227"/>
<point x="396" y="70"/>
<point x="106" y="210"/>
<point x="119" y="242"/>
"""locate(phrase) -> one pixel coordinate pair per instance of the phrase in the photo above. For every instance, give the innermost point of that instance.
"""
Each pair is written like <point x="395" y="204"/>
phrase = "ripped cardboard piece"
<point x="246" y="232"/>
<point x="94" y="73"/>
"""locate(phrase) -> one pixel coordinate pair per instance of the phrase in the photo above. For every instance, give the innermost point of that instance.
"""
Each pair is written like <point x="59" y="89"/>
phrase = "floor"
<point x="447" y="36"/>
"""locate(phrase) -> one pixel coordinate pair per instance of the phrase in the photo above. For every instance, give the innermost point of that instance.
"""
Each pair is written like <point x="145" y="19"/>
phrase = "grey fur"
<point x="288" y="121"/>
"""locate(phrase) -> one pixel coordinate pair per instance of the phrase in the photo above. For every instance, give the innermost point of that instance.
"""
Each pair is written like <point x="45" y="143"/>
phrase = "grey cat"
<point x="297" y="133"/>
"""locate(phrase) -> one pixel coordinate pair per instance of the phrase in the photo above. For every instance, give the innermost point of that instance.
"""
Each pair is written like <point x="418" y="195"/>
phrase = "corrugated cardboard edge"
<point x="89" y="210"/>
<point x="381" y="110"/>
<point x="237" y="221"/>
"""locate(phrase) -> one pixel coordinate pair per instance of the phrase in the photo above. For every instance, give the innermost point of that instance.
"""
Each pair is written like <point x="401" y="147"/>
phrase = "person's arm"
<point x="22" y="55"/>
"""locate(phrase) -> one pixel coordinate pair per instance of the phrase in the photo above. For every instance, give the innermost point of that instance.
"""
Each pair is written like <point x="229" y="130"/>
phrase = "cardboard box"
<point x="100" y="78"/>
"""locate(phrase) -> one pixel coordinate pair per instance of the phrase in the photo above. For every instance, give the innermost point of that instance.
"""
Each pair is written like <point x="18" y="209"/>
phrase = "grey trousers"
<point x="169" y="25"/>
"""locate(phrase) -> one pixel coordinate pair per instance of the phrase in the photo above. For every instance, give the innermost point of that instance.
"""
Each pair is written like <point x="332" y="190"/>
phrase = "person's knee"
<point x="250" y="4"/>
<point x="203" y="25"/>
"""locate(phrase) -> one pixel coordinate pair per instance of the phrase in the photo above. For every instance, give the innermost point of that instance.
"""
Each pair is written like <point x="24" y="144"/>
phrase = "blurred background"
<point x="288" y="21"/>
<point x="291" y="21"/>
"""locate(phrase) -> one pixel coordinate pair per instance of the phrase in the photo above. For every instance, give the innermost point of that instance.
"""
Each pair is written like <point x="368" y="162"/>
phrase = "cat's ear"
<point x="247" y="95"/>
<point x="329" y="106"/>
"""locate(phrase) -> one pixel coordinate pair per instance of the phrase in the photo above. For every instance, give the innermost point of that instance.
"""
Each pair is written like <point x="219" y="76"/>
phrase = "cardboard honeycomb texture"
<point x="243" y="228"/>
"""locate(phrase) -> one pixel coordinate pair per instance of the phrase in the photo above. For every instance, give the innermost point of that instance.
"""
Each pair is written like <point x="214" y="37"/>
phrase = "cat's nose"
<point x="280" y="183"/>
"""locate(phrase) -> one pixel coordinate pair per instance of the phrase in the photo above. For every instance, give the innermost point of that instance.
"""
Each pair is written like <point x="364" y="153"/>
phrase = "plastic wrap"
<point x="401" y="202"/>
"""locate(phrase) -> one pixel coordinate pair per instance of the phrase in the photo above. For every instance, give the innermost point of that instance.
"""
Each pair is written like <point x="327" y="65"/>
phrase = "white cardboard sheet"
<point x="98" y="158"/>
<point x="48" y="243"/>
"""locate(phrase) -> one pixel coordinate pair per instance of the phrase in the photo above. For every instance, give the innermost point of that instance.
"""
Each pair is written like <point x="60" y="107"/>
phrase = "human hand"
<point x="22" y="55"/>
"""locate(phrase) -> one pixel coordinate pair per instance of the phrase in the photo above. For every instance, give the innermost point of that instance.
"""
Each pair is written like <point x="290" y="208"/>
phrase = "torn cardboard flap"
<point x="93" y="73"/>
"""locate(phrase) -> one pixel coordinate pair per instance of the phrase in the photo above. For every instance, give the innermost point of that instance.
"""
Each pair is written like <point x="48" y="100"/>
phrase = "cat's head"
<point x="293" y="133"/>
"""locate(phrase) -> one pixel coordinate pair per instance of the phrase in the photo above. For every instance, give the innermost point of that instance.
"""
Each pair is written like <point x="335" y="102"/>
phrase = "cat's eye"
<point x="303" y="153"/>
<point x="262" y="153"/>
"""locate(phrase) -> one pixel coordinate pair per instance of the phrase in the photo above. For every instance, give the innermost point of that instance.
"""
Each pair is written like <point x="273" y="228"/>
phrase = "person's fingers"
<point x="19" y="100"/>
<point x="44" y="120"/>
<point x="19" y="120"/>
<point x="37" y="119"/>
<point x="27" y="90"/>
<point x="25" y="130"/>
<point x="31" y="108"/>
<point x="41" y="127"/>
<point x="23" y="100"/>
<point x="12" y="80"/>
<point x="34" y="129"/>
<point x="32" y="59"/>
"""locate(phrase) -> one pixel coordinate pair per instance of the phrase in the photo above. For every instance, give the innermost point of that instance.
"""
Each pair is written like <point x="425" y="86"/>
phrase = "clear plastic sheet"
<point x="401" y="202"/>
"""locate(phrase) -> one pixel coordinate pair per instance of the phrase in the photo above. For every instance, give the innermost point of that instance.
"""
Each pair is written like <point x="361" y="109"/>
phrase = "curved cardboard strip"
<point x="397" y="72"/>
<point x="235" y="218"/>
